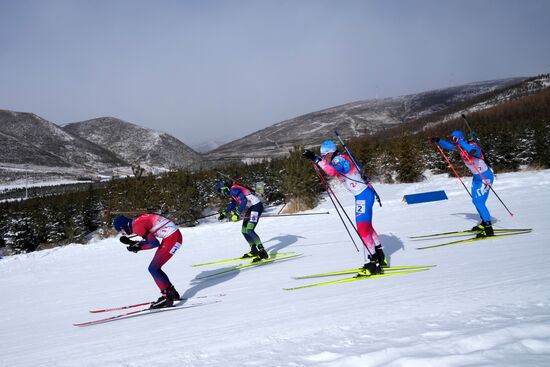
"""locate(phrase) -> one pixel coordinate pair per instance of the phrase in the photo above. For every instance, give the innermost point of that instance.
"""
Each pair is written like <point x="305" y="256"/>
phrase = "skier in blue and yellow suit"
<point x="473" y="157"/>
<point x="250" y="208"/>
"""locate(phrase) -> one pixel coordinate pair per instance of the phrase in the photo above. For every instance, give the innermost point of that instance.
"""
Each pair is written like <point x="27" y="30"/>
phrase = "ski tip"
<point x="407" y="267"/>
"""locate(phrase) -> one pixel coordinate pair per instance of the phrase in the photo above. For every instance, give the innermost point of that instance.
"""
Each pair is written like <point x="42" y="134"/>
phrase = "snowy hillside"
<point x="148" y="148"/>
<point x="26" y="138"/>
<point x="485" y="304"/>
<point x="353" y="119"/>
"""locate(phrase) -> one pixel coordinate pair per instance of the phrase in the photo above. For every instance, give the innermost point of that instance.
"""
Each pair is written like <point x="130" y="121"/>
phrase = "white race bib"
<point x="360" y="206"/>
<point x="253" y="217"/>
<point x="175" y="248"/>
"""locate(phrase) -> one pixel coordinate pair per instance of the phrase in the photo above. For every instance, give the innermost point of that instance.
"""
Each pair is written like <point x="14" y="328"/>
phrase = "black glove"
<point x="125" y="240"/>
<point x="433" y="139"/>
<point x="134" y="247"/>
<point x="311" y="156"/>
<point x="222" y="216"/>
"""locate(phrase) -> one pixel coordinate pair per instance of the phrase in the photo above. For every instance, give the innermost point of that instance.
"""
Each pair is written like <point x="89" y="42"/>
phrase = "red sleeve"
<point x="140" y="226"/>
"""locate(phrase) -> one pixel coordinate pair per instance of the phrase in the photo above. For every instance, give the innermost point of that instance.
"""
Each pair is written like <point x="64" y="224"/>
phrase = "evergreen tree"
<point x="299" y="182"/>
<point x="410" y="164"/>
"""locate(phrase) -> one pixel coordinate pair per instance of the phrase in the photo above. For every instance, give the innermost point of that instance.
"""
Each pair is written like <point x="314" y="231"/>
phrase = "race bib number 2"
<point x="360" y="206"/>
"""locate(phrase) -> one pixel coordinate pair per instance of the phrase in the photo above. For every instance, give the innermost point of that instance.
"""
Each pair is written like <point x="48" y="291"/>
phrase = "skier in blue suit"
<point x="473" y="157"/>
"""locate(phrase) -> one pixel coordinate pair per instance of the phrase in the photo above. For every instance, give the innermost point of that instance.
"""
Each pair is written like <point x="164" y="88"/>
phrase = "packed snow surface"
<point x="485" y="304"/>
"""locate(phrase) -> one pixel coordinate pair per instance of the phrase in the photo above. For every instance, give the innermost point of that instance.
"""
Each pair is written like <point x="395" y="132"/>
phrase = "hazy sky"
<point x="219" y="70"/>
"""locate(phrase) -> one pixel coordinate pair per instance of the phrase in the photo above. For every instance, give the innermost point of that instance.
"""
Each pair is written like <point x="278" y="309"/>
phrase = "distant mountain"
<point x="352" y="119"/>
<point x="137" y="145"/>
<point x="109" y="144"/>
<point x="207" y="146"/>
<point x="26" y="138"/>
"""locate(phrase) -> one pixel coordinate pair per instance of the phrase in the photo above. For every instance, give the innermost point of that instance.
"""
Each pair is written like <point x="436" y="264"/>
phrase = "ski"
<point x="469" y="231"/>
<point x="356" y="270"/>
<point x="353" y="279"/>
<point x="459" y="242"/>
<point x="278" y="254"/>
<point x="258" y="263"/>
<point x="144" y="311"/>
<point x="186" y="299"/>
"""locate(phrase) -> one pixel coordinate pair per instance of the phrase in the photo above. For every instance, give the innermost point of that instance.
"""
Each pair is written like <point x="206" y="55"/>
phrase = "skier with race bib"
<point x="151" y="227"/>
<point x="341" y="166"/>
<point x="474" y="159"/>
<point x="248" y="206"/>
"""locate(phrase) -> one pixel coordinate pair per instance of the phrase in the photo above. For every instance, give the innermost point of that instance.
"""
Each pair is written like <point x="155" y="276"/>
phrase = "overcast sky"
<point x="219" y="70"/>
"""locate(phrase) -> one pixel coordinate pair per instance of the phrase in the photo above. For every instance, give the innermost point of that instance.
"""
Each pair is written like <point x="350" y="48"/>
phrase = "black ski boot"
<point x="381" y="256"/>
<point x="253" y="252"/>
<point x="169" y="295"/>
<point x="477" y="228"/>
<point x="172" y="293"/>
<point x="262" y="254"/>
<point x="486" y="230"/>
<point x="370" y="268"/>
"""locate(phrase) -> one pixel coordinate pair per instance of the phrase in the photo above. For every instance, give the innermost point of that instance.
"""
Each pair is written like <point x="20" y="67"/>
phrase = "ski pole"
<point x="357" y="166"/>
<point x="453" y="168"/>
<point x="472" y="133"/>
<point x="476" y="140"/>
<point x="329" y="191"/>
<point x="465" y="154"/>
<point x="288" y="215"/>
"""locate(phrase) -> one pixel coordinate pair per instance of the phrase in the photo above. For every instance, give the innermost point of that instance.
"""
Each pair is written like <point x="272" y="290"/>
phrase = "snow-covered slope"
<point x="352" y="119"/>
<point x="26" y="138"/>
<point x="138" y="145"/>
<point x="485" y="304"/>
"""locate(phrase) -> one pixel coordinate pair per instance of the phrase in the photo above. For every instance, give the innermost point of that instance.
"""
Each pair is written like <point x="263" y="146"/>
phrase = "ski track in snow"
<point x="485" y="304"/>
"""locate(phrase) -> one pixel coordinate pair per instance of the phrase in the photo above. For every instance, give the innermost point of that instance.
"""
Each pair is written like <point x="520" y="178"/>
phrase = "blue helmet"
<point x="122" y="223"/>
<point x="457" y="134"/>
<point x="222" y="187"/>
<point x="328" y="146"/>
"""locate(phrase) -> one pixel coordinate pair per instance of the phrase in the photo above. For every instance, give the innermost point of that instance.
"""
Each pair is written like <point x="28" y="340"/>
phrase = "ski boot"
<point x="381" y="256"/>
<point x="169" y="295"/>
<point x="253" y="252"/>
<point x="173" y="293"/>
<point x="486" y="230"/>
<point x="370" y="268"/>
<point x="262" y="254"/>
<point x="477" y="228"/>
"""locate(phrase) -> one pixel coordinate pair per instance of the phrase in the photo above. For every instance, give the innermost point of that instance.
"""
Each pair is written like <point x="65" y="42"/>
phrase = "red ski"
<point x="144" y="311"/>
<point x="148" y="303"/>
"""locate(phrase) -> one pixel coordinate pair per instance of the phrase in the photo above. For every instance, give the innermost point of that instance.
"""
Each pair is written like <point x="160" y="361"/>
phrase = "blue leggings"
<point x="480" y="194"/>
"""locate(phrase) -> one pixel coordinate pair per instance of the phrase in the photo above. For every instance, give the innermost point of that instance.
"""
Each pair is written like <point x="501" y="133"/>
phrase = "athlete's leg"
<point x="480" y="194"/>
<point x="253" y="215"/>
<point x="363" y="218"/>
<point x="165" y="251"/>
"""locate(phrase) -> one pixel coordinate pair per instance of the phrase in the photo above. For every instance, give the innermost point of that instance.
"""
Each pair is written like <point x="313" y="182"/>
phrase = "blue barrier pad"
<point x="425" y="197"/>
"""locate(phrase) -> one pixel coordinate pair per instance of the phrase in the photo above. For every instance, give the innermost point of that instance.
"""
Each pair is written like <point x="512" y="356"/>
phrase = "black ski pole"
<point x="472" y="133"/>
<point x="357" y="166"/>
<point x="329" y="191"/>
<point x="475" y="138"/>
<point x="289" y="215"/>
